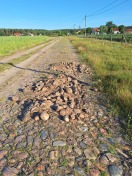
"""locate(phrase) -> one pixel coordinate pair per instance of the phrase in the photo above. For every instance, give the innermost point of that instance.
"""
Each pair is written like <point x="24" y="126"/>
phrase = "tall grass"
<point x="12" y="44"/>
<point x="112" y="64"/>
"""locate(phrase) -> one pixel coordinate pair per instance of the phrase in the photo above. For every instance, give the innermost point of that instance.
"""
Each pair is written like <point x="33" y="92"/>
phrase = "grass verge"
<point x="112" y="65"/>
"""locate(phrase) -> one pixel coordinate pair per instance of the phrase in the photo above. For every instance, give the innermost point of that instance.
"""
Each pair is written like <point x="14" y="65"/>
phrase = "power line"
<point x="95" y="13"/>
<point x="109" y="8"/>
<point x="103" y="7"/>
<point x="91" y="14"/>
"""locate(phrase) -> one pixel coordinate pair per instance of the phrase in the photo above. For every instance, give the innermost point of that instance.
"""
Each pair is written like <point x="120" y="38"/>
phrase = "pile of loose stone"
<point x="62" y="95"/>
<point x="62" y="128"/>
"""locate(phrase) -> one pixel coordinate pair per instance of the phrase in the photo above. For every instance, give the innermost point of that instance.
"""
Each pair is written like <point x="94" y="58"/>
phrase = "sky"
<point x="63" y="14"/>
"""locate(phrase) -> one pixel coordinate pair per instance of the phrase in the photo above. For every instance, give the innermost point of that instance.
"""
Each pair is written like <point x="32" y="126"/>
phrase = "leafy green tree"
<point x="103" y="29"/>
<point x="121" y="29"/>
<point x="2" y="33"/>
<point x="110" y="26"/>
<point x="89" y="30"/>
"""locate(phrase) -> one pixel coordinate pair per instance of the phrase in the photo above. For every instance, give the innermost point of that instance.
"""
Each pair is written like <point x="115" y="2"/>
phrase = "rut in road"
<point x="56" y="122"/>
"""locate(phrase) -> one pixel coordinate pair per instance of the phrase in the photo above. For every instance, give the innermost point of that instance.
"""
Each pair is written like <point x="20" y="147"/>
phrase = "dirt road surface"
<point x="54" y="121"/>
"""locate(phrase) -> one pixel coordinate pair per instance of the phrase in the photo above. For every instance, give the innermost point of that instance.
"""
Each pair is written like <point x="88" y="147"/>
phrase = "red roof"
<point x="128" y="30"/>
<point x="17" y="34"/>
<point x="115" y="29"/>
<point x="96" y="29"/>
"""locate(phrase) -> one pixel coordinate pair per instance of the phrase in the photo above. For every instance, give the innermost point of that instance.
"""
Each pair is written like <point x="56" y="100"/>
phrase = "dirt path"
<point x="7" y="74"/>
<point x="21" y="53"/>
<point x="54" y="122"/>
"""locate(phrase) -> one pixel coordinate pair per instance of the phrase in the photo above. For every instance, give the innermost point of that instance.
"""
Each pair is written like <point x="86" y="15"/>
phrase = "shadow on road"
<point x="46" y="72"/>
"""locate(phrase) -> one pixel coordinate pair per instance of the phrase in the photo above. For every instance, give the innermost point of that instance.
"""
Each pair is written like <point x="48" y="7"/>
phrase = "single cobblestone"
<point x="59" y="143"/>
<point x="3" y="153"/>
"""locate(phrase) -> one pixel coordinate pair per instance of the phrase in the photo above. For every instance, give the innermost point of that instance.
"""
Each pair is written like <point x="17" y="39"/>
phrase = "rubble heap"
<point x="60" y="94"/>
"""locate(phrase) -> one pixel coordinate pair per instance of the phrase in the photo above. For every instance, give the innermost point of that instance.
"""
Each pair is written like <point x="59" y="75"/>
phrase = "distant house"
<point x="95" y="31"/>
<point x="30" y="34"/>
<point x="17" y="34"/>
<point x="128" y="30"/>
<point x="116" y="31"/>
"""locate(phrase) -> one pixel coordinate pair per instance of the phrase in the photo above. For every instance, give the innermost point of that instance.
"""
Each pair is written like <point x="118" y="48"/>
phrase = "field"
<point x="115" y="37"/>
<point x="112" y="64"/>
<point x="12" y="44"/>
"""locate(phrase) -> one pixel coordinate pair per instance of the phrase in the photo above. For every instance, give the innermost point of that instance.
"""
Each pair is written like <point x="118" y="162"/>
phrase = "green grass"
<point x="115" y="37"/>
<point x="6" y="66"/>
<point x="12" y="44"/>
<point x="112" y="65"/>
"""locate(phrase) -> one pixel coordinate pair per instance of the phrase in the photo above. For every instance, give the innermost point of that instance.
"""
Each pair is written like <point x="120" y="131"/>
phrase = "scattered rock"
<point x="26" y="118"/>
<point x="19" y="138"/>
<point x="44" y="116"/>
<point x="88" y="163"/>
<point x="78" y="151"/>
<point x="79" y="171"/>
<point x="66" y="119"/>
<point x="115" y="170"/>
<point x="103" y="147"/>
<point x="123" y="154"/>
<point x="29" y="140"/>
<point x="20" y="165"/>
<point x="22" y="156"/>
<point x="53" y="155"/>
<point x="111" y="157"/>
<point x="83" y="128"/>
<point x="83" y="145"/>
<point x="59" y="143"/>
<point x="63" y="112"/>
<point x="69" y="90"/>
<point x="43" y="135"/>
<point x="89" y="154"/>
<point x="2" y="162"/>
<point x="104" y="160"/>
<point x="3" y="153"/>
<point x="14" y="98"/>
<point x="36" y="118"/>
<point x="94" y="172"/>
<point x="96" y="150"/>
<point x="36" y="142"/>
<point x="21" y="145"/>
<point x="10" y="171"/>
<point x="40" y="167"/>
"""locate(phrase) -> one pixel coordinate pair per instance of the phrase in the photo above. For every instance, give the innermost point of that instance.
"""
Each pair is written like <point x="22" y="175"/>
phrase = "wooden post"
<point x="124" y="38"/>
<point x="111" y="37"/>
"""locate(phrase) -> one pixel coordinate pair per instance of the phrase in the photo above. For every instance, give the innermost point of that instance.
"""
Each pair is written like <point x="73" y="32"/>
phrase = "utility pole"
<point x="85" y="25"/>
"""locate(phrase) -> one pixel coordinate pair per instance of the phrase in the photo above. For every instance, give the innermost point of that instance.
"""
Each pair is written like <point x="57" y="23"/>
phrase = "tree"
<point x="89" y="30"/>
<point x="110" y="26"/>
<point x="103" y="29"/>
<point x="2" y="33"/>
<point x="121" y="29"/>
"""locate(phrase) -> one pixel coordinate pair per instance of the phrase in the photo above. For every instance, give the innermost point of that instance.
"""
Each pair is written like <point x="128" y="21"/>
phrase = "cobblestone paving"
<point x="61" y="125"/>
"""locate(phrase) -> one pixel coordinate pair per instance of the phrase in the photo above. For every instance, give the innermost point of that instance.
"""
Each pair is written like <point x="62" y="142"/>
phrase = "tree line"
<point x="26" y="32"/>
<point x="109" y="28"/>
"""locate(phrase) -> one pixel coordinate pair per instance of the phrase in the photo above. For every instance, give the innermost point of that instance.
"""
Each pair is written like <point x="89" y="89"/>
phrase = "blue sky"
<point x="61" y="14"/>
